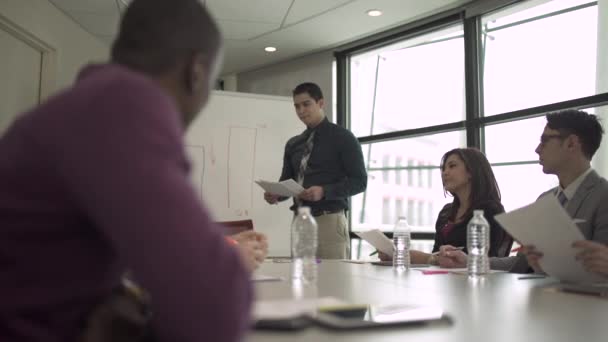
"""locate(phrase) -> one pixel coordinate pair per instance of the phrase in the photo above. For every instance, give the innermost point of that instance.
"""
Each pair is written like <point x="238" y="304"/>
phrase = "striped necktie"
<point x="304" y="163"/>
<point x="561" y="197"/>
<point x="308" y="145"/>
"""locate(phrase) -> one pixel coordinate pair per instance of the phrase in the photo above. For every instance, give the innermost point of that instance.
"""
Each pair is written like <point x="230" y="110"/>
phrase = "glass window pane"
<point x="522" y="184"/>
<point x="514" y="141"/>
<point x="420" y="200"/>
<point x="542" y="61"/>
<point x="415" y="83"/>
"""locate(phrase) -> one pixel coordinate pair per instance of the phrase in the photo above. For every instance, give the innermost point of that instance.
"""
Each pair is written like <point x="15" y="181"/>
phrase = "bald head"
<point x="177" y="44"/>
<point x="156" y="35"/>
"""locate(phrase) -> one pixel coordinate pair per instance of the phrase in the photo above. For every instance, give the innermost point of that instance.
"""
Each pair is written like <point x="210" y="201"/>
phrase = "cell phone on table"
<point x="378" y="316"/>
<point x="287" y="324"/>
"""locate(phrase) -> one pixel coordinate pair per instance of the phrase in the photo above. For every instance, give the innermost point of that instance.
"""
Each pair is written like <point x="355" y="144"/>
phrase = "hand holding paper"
<point x="546" y="225"/>
<point x="377" y="239"/>
<point x="287" y="188"/>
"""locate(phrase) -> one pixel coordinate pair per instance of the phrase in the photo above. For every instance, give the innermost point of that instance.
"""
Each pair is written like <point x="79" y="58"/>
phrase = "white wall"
<point x="20" y="66"/>
<point x="280" y="79"/>
<point x="73" y="46"/>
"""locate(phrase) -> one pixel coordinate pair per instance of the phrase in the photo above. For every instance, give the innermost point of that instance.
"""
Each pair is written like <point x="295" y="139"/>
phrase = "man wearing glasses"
<point x="567" y="145"/>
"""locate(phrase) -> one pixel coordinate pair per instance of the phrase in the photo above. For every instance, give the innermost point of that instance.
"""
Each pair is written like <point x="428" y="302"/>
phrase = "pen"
<point x="451" y="250"/>
<point x="532" y="277"/>
<point x="374" y="253"/>
<point x="586" y="291"/>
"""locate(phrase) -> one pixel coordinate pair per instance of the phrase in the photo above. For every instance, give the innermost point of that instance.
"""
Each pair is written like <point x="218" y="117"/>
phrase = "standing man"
<point x="326" y="159"/>
<point x="567" y="145"/>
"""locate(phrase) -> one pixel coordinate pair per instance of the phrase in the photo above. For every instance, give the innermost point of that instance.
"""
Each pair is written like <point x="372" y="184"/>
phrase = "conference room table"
<point x="496" y="307"/>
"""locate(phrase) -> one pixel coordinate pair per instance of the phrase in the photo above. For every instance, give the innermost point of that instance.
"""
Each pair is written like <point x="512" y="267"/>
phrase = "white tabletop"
<point x="500" y="307"/>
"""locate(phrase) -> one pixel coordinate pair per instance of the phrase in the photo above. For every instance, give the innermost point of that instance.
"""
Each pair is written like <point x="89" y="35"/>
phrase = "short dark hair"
<point x="155" y="35"/>
<point x="484" y="188"/>
<point x="311" y="89"/>
<point x="582" y="124"/>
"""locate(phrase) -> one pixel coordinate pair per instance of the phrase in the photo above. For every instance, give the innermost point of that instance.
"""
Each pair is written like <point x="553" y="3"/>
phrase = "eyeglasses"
<point x="546" y="137"/>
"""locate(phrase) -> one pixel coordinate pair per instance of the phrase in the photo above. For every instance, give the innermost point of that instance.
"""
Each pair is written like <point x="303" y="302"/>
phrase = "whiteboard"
<point x="237" y="139"/>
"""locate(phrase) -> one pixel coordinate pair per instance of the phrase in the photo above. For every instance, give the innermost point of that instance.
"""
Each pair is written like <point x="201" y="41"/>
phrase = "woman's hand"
<point x="451" y="257"/>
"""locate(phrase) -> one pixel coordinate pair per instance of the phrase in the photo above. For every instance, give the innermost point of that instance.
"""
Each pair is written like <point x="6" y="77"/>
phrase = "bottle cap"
<point x="401" y="219"/>
<point x="304" y="210"/>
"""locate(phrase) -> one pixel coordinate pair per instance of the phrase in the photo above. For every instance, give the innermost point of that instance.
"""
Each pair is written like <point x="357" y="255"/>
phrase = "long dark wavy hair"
<point x="484" y="188"/>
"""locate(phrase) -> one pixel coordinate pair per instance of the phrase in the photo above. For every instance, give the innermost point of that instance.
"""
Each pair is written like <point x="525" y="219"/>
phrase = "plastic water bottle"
<point x="304" y="247"/>
<point x="401" y="242"/>
<point x="478" y="245"/>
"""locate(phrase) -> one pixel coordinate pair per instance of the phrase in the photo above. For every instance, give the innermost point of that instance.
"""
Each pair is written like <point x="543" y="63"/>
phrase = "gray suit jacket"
<point x="589" y="204"/>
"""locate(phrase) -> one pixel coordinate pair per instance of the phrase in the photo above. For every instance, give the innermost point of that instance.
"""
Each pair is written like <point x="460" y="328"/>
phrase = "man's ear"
<point x="572" y="141"/>
<point x="321" y="103"/>
<point x="196" y="73"/>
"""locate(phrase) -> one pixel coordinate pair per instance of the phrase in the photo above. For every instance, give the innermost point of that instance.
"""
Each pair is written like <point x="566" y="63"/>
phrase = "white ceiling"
<point x="295" y="27"/>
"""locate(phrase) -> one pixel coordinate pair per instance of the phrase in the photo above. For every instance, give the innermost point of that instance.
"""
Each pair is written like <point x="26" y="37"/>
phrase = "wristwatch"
<point x="433" y="260"/>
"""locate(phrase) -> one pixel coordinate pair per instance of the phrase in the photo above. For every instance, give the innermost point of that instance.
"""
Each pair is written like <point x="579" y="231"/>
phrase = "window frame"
<point x="470" y="16"/>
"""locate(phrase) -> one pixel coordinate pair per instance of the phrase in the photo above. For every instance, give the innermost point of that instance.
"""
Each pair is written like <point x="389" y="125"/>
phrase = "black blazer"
<point x="500" y="241"/>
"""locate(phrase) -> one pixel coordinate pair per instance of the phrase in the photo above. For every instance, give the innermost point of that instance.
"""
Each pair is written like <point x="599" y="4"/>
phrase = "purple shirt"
<point x="93" y="180"/>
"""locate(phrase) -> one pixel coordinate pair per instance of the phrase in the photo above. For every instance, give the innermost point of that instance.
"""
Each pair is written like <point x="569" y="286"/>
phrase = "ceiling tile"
<point x="311" y="25"/>
<point x="98" y="6"/>
<point x="269" y="11"/>
<point x="243" y="30"/>
<point x="99" y="24"/>
<point x="303" y="9"/>
<point x="106" y="39"/>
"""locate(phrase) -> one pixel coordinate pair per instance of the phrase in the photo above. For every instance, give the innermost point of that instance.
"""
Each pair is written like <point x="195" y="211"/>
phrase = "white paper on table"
<point x="546" y="225"/>
<point x="262" y="278"/>
<point x="464" y="270"/>
<point x="290" y="308"/>
<point x="287" y="188"/>
<point x="352" y="261"/>
<point x="377" y="239"/>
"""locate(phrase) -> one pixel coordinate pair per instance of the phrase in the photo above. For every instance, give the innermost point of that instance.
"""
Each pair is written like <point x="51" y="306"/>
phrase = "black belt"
<point x="326" y="212"/>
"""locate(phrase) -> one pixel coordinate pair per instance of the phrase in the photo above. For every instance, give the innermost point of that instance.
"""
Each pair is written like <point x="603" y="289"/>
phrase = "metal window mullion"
<point x="473" y="83"/>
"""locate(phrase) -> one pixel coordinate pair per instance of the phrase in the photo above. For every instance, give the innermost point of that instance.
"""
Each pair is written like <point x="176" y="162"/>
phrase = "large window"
<point x="396" y="87"/>
<point x="536" y="53"/>
<point x="484" y="81"/>
<point x="539" y="53"/>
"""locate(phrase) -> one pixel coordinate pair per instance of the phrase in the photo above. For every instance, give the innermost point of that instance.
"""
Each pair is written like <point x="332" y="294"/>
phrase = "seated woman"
<point x="467" y="176"/>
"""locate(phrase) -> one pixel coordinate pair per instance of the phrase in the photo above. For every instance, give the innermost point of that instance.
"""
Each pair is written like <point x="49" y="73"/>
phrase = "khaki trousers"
<point x="333" y="239"/>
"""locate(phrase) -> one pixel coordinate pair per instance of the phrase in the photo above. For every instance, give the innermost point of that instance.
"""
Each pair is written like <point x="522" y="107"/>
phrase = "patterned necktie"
<point x="561" y="197"/>
<point x="305" y="156"/>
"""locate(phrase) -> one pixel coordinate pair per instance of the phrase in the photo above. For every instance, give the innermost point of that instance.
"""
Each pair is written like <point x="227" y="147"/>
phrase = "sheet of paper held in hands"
<point x="546" y="225"/>
<point x="377" y="239"/>
<point x="287" y="188"/>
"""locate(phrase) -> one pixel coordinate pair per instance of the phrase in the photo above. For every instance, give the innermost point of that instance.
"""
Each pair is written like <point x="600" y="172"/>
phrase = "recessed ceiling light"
<point x="374" y="13"/>
<point x="270" y="49"/>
